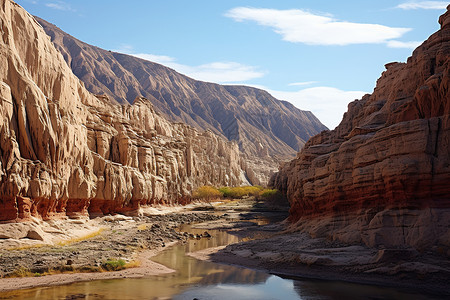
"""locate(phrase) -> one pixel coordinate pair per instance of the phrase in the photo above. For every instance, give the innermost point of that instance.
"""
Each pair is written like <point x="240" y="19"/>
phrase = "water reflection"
<point x="336" y="290"/>
<point x="205" y="280"/>
<point x="272" y="288"/>
<point x="191" y="270"/>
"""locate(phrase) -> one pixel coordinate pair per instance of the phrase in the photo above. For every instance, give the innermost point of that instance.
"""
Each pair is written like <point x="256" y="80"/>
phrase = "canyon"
<point x="65" y="152"/>
<point x="89" y="135"/>
<point x="268" y="131"/>
<point x="381" y="177"/>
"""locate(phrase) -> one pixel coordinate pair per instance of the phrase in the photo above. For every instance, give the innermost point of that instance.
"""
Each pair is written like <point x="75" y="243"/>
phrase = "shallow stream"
<point x="195" y="279"/>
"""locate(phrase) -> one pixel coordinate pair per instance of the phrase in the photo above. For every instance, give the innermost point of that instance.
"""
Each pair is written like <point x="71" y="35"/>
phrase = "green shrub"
<point x="21" y="271"/>
<point x="269" y="193"/>
<point x="114" y="265"/>
<point x="240" y="192"/>
<point x="226" y="191"/>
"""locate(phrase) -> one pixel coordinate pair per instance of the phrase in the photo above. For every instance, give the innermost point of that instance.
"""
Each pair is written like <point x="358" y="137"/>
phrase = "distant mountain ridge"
<point x="262" y="125"/>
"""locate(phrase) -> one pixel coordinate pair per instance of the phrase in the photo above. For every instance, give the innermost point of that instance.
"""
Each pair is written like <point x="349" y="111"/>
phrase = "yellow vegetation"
<point x="26" y="272"/>
<point x="81" y="238"/>
<point x="207" y="193"/>
<point x="142" y="227"/>
<point x="133" y="264"/>
<point x="24" y="247"/>
<point x="239" y="192"/>
<point x="110" y="265"/>
<point x="21" y="272"/>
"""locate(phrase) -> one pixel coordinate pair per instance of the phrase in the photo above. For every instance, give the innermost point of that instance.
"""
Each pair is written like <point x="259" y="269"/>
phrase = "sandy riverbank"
<point x="79" y="249"/>
<point x="266" y="246"/>
<point x="147" y="268"/>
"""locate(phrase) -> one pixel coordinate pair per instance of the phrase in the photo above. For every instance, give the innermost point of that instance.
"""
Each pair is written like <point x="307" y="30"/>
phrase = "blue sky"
<point x="319" y="55"/>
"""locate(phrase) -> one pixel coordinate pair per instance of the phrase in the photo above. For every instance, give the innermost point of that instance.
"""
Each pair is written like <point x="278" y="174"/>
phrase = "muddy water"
<point x="196" y="279"/>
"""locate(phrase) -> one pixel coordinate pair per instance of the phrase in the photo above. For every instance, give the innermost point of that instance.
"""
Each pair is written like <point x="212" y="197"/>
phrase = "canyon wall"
<point x="382" y="176"/>
<point x="267" y="130"/>
<point x="65" y="152"/>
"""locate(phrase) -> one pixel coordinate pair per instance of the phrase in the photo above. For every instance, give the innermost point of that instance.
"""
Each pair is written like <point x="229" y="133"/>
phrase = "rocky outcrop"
<point x="64" y="151"/>
<point x="382" y="176"/>
<point x="267" y="130"/>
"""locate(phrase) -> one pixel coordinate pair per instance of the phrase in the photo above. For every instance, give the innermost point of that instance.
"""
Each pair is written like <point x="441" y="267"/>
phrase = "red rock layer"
<point x="391" y="150"/>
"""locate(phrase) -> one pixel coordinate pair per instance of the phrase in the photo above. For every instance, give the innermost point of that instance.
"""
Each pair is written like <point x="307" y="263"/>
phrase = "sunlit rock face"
<point x="65" y="152"/>
<point x="267" y="130"/>
<point x="382" y="177"/>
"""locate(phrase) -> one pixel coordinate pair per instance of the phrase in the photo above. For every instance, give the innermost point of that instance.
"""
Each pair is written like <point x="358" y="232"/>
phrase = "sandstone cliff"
<point x="266" y="129"/>
<point x="64" y="151"/>
<point x="382" y="176"/>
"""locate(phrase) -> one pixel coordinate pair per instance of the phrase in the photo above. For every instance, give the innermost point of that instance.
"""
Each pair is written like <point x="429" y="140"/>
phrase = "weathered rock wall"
<point x="64" y="151"/>
<point x="382" y="176"/>
<point x="267" y="130"/>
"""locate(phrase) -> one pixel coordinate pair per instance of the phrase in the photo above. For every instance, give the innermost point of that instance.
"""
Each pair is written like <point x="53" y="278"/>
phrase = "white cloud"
<point x="424" y="5"/>
<point x="124" y="48"/>
<point x="408" y="45"/>
<point x="161" y="59"/>
<point x="219" y="72"/>
<point x="327" y="103"/>
<point x="302" y="83"/>
<point x="299" y="26"/>
<point x="59" y="5"/>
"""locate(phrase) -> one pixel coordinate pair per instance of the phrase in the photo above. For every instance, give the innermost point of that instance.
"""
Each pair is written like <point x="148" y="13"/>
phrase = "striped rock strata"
<point x="382" y="177"/>
<point x="64" y="151"/>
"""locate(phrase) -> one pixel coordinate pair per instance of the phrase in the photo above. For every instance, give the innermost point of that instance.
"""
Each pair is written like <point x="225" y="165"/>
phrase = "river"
<point x="195" y="279"/>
